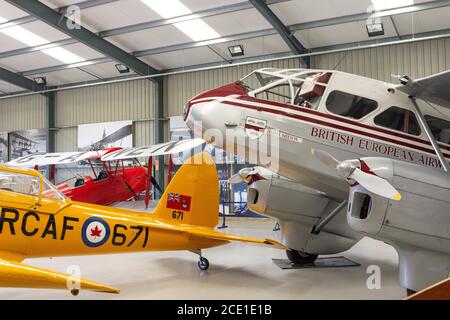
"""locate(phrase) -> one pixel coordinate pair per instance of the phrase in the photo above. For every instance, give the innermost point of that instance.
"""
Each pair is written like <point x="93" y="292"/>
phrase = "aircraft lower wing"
<point x="19" y="275"/>
<point x="439" y="291"/>
<point x="433" y="88"/>
<point x="212" y="234"/>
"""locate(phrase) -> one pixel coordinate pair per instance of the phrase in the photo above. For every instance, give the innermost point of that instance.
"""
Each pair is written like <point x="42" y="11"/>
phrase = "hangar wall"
<point x="27" y="112"/>
<point x="417" y="59"/>
<point x="106" y="102"/>
<point x="131" y="100"/>
<point x="183" y="87"/>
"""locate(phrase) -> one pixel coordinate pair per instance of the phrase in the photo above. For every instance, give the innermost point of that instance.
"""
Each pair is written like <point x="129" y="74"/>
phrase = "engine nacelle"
<point x="417" y="226"/>
<point x="366" y="211"/>
<point x="298" y="209"/>
<point x="279" y="198"/>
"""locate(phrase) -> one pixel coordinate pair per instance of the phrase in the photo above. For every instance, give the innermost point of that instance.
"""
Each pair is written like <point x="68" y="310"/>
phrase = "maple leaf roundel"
<point x="95" y="232"/>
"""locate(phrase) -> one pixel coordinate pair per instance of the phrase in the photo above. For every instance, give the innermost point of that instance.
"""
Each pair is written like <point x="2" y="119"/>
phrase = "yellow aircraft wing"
<point x="209" y="233"/>
<point x="19" y="275"/>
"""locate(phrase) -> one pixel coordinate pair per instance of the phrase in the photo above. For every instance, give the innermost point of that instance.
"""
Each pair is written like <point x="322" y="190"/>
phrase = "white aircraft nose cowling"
<point x="200" y="121"/>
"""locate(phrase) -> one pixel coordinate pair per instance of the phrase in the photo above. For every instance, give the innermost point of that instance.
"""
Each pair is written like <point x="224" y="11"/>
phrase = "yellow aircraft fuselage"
<point x="43" y="223"/>
<point x="33" y="232"/>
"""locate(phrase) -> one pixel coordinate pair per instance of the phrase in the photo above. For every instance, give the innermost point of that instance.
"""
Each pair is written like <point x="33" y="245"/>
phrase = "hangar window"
<point x="440" y="128"/>
<point x="349" y="105"/>
<point x="399" y="119"/>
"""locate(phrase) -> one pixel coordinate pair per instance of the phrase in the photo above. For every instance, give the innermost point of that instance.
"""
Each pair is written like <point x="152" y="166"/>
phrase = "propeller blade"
<point x="236" y="178"/>
<point x="375" y="184"/>
<point x="325" y="158"/>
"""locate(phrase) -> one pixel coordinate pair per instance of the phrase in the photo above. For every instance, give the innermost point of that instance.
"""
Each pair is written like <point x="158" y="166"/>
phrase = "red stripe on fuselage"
<point x="328" y="124"/>
<point x="340" y="119"/>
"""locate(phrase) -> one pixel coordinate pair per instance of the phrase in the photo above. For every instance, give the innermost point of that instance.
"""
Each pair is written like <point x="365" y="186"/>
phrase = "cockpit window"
<point x="294" y="86"/>
<point x="257" y="80"/>
<point x="50" y="191"/>
<point x="440" y="128"/>
<point x="349" y="105"/>
<point x="398" y="119"/>
<point x="28" y="185"/>
<point x="19" y="183"/>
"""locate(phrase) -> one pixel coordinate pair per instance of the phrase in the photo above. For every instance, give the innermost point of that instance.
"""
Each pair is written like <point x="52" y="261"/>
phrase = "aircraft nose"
<point x="234" y="89"/>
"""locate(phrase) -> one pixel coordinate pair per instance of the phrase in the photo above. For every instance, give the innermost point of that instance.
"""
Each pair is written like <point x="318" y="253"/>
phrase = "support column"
<point x="159" y="126"/>
<point x="50" y="101"/>
<point x="51" y="120"/>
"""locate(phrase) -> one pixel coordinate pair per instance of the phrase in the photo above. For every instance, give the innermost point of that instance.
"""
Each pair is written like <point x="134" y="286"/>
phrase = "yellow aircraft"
<point x="36" y="220"/>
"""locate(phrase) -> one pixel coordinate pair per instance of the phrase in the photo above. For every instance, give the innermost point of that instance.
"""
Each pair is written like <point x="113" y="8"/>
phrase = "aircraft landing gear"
<point x="299" y="257"/>
<point x="203" y="263"/>
<point x="74" y="292"/>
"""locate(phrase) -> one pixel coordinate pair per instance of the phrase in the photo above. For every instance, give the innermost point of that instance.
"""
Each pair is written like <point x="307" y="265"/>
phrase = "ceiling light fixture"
<point x="389" y="4"/>
<point x="237" y="50"/>
<point x="375" y="29"/>
<point x="42" y="81"/>
<point x="122" y="68"/>
<point x="31" y="39"/>
<point x="196" y="29"/>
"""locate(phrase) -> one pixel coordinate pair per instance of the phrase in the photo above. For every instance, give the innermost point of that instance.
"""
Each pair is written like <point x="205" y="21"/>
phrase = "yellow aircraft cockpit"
<point x="28" y="189"/>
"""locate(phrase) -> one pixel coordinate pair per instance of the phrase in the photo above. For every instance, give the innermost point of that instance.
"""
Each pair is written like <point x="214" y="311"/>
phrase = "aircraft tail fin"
<point x="192" y="197"/>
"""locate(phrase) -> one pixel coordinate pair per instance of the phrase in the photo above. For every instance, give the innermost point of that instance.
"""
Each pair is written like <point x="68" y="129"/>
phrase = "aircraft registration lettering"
<point x="94" y="231"/>
<point x="119" y="238"/>
<point x="9" y="218"/>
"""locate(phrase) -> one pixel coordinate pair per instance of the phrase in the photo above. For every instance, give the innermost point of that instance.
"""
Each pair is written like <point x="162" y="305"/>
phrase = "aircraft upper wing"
<point x="172" y="147"/>
<point x="434" y="88"/>
<point x="19" y="275"/>
<point x="58" y="158"/>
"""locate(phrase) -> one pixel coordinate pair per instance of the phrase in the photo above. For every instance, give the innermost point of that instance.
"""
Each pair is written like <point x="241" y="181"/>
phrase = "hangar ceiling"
<point x="149" y="37"/>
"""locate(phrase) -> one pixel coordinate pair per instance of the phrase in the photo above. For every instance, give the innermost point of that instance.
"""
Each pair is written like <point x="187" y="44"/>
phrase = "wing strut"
<point x="148" y="185"/>
<point x="323" y="222"/>
<point x="430" y="136"/>
<point x="169" y="171"/>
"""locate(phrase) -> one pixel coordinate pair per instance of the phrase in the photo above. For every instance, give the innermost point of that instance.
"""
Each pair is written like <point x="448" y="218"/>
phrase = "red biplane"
<point x="112" y="181"/>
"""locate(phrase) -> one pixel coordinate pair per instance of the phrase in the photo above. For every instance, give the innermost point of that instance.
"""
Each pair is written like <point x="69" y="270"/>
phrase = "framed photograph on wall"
<point x="96" y="136"/>
<point x="4" y="147"/>
<point x="25" y="142"/>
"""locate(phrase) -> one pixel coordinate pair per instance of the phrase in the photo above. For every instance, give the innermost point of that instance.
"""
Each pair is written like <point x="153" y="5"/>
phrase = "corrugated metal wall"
<point x="21" y="113"/>
<point x="417" y="59"/>
<point x="182" y="87"/>
<point x="132" y="100"/>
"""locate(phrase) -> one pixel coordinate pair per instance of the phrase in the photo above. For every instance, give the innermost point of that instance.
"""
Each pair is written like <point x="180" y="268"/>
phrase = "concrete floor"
<point x="237" y="271"/>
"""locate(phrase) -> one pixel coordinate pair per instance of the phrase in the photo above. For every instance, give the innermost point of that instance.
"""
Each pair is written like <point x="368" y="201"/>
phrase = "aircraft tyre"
<point x="203" y="263"/>
<point x="74" y="292"/>
<point x="299" y="257"/>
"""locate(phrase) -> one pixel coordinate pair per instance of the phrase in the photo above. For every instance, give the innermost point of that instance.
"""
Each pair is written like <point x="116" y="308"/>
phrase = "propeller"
<point x="349" y="170"/>
<point x="243" y="175"/>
